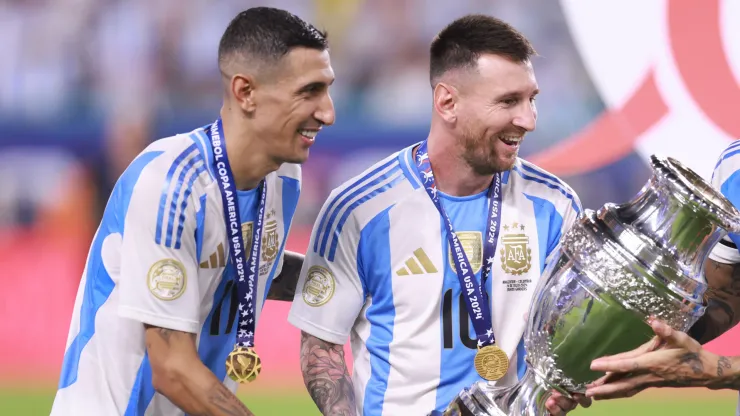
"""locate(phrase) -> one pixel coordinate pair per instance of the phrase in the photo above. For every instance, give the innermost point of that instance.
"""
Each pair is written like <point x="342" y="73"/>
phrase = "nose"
<point x="325" y="112"/>
<point x="526" y="118"/>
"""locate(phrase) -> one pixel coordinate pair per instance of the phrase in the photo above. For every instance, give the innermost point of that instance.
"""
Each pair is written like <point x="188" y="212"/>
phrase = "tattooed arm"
<point x="326" y="377"/>
<point x="283" y="286"/>
<point x="180" y="375"/>
<point x="723" y="301"/>
<point x="670" y="359"/>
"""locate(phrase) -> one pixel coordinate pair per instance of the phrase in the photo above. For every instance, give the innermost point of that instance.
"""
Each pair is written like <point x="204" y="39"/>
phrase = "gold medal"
<point x="491" y="362"/>
<point x="243" y="364"/>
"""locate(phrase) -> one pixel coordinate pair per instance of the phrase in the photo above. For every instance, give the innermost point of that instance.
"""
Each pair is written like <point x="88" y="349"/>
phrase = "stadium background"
<point x="86" y="84"/>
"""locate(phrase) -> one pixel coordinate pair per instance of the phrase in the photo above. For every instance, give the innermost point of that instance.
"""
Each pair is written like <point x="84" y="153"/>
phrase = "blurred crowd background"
<point x="85" y="85"/>
<point x="89" y="83"/>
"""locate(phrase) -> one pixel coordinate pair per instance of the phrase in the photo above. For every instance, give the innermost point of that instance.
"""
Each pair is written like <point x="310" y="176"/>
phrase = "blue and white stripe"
<point x="377" y="181"/>
<point x="186" y="168"/>
<point x="532" y="173"/>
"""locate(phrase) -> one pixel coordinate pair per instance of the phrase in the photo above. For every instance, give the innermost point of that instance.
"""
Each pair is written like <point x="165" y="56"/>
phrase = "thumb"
<point x="669" y="335"/>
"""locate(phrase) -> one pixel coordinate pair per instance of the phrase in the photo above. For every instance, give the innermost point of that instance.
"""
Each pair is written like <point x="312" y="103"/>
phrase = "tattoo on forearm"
<point x="283" y="286"/>
<point x="723" y="301"/>
<point x="723" y="364"/>
<point x="227" y="402"/>
<point x="325" y="374"/>
<point x="694" y="362"/>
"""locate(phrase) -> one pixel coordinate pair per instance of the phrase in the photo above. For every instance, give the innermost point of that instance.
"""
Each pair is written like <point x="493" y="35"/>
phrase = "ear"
<point x="445" y="101"/>
<point x="243" y="90"/>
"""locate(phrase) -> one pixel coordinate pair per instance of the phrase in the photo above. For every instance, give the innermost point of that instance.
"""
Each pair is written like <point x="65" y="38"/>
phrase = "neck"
<point x="249" y="160"/>
<point x="453" y="174"/>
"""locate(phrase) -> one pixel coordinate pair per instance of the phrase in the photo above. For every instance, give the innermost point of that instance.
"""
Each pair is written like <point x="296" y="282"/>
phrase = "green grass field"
<point x="674" y="403"/>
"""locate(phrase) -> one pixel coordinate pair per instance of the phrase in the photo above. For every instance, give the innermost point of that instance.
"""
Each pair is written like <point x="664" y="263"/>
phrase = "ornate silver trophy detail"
<point x="617" y="267"/>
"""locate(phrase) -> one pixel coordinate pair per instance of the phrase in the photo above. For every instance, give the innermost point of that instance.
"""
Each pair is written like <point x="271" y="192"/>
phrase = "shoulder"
<point x="182" y="160"/>
<point x="536" y="181"/>
<point x="358" y="200"/>
<point x="373" y="187"/>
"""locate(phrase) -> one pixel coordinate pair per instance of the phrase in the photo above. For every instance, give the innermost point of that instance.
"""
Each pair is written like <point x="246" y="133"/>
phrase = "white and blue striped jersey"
<point x="726" y="179"/>
<point x="159" y="257"/>
<point x="379" y="269"/>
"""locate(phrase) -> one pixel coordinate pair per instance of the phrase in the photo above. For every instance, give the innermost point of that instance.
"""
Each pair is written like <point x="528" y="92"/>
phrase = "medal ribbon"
<point x="476" y="297"/>
<point x="246" y="278"/>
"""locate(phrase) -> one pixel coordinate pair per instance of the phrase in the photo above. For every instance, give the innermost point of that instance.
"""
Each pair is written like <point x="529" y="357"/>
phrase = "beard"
<point x="480" y="153"/>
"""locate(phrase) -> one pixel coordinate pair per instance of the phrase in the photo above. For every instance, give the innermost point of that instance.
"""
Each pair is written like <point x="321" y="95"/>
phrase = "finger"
<point x="582" y="399"/>
<point x="649" y="346"/>
<point x="623" y="388"/>
<point x="617" y="366"/>
<point x="673" y="337"/>
<point x="634" y="365"/>
<point x="552" y="407"/>
<point x="562" y="402"/>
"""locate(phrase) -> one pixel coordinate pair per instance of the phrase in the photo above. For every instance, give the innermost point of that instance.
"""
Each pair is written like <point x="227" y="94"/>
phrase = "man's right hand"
<point x="180" y="375"/>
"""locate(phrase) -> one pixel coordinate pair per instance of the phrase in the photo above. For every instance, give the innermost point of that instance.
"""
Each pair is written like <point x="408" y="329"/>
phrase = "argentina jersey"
<point x="726" y="179"/>
<point x="379" y="270"/>
<point x="160" y="257"/>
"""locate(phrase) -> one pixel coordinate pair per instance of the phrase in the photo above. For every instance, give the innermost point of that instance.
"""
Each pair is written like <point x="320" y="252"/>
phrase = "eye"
<point x="510" y="101"/>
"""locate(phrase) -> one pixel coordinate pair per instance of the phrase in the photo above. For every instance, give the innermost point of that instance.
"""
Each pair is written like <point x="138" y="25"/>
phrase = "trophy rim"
<point x="694" y="189"/>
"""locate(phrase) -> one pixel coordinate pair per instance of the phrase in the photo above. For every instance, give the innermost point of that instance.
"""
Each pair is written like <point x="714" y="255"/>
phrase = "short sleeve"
<point x="570" y="211"/>
<point x="329" y="295"/>
<point x="159" y="270"/>
<point x="726" y="180"/>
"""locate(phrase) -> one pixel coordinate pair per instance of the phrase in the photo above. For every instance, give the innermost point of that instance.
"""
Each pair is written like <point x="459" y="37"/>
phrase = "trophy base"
<point x="526" y="398"/>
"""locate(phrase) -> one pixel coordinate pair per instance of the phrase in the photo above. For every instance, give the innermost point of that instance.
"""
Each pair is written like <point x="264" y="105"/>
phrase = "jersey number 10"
<point x="464" y="322"/>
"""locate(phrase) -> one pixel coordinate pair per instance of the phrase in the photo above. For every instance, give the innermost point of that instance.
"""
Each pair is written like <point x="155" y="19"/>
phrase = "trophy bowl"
<point x="614" y="269"/>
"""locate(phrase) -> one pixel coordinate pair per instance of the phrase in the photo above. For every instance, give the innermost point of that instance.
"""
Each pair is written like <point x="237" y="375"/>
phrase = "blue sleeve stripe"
<point x="726" y="156"/>
<point x="568" y="195"/>
<point x="165" y="188"/>
<point x="734" y="145"/>
<point x="200" y="220"/>
<point x="337" y="201"/>
<point x="204" y="145"/>
<point x="188" y="168"/>
<point x="365" y="189"/>
<point x="543" y="175"/>
<point x="184" y="204"/>
<point x="375" y="192"/>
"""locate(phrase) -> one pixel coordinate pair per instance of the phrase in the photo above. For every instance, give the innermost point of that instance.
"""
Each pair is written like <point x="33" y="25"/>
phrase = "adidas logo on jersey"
<point x="419" y="263"/>
<point x="216" y="260"/>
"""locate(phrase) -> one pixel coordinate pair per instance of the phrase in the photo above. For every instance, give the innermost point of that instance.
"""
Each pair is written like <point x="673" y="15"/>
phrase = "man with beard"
<point x="431" y="257"/>
<point x="192" y="239"/>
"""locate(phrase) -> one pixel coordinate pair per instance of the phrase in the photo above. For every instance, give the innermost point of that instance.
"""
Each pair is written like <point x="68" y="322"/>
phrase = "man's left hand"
<point x="671" y="359"/>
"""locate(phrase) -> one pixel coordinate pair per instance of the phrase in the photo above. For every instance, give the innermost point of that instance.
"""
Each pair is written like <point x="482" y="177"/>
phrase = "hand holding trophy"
<point x="616" y="268"/>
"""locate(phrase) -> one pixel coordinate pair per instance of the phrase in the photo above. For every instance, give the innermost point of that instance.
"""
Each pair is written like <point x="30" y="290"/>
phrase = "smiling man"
<point x="430" y="258"/>
<point x="192" y="240"/>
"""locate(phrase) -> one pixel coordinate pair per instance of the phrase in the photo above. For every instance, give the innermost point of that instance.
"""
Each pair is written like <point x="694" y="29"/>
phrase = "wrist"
<point x="724" y="373"/>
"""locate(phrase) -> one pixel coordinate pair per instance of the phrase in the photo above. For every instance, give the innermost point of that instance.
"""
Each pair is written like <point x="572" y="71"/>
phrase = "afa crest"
<point x="270" y="238"/>
<point x="516" y="256"/>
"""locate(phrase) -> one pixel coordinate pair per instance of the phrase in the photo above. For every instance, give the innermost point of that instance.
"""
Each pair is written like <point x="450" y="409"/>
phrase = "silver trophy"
<point x="616" y="267"/>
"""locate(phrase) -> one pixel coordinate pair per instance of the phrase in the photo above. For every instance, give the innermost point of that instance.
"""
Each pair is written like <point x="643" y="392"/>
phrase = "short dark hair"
<point x="462" y="42"/>
<point x="267" y="34"/>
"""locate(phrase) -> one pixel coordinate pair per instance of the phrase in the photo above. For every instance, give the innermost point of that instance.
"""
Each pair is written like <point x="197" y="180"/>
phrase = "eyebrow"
<point x="314" y="86"/>
<point x="516" y="94"/>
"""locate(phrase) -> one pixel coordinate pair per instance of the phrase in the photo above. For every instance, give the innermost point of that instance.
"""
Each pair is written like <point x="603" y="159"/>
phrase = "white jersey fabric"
<point x="378" y="269"/>
<point x="726" y="179"/>
<point x="160" y="257"/>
